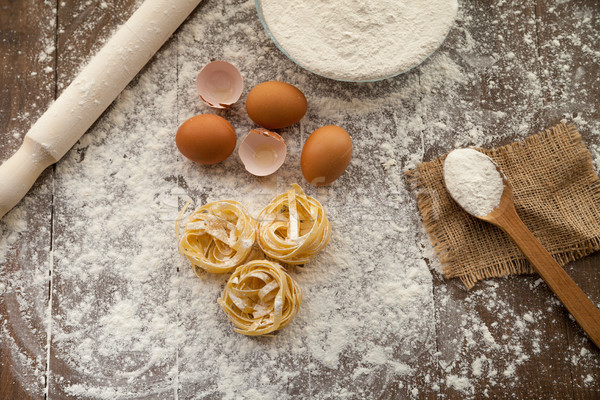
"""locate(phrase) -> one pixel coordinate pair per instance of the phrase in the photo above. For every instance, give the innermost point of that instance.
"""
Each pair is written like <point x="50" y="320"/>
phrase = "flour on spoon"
<point x="473" y="181"/>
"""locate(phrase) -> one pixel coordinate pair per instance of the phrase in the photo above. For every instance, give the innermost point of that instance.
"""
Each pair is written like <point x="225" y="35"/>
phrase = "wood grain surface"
<point x="68" y="32"/>
<point x="566" y="290"/>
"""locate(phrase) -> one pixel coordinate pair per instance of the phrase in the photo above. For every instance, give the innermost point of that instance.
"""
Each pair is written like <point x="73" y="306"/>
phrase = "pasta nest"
<point x="293" y="228"/>
<point x="260" y="297"/>
<point x="217" y="237"/>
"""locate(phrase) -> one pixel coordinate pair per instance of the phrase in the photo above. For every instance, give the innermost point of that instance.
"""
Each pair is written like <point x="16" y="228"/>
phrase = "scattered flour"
<point x="129" y="318"/>
<point x="460" y="383"/>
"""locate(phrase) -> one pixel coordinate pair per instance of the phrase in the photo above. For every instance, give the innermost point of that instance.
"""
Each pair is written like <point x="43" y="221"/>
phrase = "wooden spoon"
<point x="575" y="300"/>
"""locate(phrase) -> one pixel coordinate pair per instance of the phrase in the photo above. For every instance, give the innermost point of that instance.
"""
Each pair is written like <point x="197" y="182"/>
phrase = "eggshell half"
<point x="219" y="84"/>
<point x="326" y="155"/>
<point x="262" y="152"/>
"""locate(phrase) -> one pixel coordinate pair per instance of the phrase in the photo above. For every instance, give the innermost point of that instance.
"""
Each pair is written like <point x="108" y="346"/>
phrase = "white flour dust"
<point x="473" y="181"/>
<point x="130" y="319"/>
<point x="359" y="40"/>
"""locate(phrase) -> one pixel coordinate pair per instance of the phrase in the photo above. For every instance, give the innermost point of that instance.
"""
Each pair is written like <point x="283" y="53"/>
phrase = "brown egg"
<point x="275" y="105"/>
<point x="206" y="139"/>
<point x="326" y="155"/>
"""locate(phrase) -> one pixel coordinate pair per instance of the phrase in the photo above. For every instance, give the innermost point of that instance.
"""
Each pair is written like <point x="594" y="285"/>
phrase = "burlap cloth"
<point x="557" y="195"/>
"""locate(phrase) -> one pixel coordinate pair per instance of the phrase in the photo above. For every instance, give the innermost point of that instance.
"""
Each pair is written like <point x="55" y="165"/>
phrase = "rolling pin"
<point x="90" y="93"/>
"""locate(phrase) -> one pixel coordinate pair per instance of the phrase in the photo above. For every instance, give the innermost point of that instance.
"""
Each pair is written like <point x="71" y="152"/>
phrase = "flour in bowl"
<point x="359" y="41"/>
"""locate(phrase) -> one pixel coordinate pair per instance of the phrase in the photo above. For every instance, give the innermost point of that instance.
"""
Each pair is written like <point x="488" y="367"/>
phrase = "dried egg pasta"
<point x="217" y="237"/>
<point x="293" y="228"/>
<point x="260" y="298"/>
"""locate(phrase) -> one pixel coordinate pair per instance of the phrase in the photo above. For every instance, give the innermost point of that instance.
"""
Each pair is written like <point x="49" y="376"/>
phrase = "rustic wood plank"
<point x="83" y="27"/>
<point x="506" y="335"/>
<point x="98" y="356"/>
<point x="584" y="355"/>
<point x="27" y="85"/>
<point x="477" y="335"/>
<point x="567" y="47"/>
<point x="568" y="44"/>
<point x="308" y="377"/>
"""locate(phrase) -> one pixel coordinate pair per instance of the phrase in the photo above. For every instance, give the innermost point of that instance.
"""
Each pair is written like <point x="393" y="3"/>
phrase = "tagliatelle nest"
<point x="293" y="228"/>
<point x="217" y="237"/>
<point x="260" y="298"/>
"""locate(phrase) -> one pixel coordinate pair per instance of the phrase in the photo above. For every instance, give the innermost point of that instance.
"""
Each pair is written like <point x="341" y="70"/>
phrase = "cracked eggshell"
<point x="219" y="84"/>
<point x="262" y="152"/>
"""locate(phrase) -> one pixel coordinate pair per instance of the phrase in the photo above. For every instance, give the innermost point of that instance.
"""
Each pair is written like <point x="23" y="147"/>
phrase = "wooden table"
<point x="523" y="66"/>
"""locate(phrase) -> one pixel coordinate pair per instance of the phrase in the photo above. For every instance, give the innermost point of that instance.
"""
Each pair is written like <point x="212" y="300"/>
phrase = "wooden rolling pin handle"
<point x="567" y="291"/>
<point x="90" y="93"/>
<point x="18" y="173"/>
